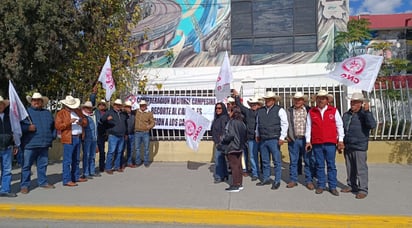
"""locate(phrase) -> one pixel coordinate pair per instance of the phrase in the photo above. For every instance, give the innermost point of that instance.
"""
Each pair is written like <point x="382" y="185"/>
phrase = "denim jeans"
<point x="114" y="153"/>
<point x="220" y="165"/>
<point x="253" y="147"/>
<point x="41" y="156"/>
<point x="129" y="149"/>
<point x="267" y="148"/>
<point x="326" y="153"/>
<point x="142" y="137"/>
<point x="6" y="157"/>
<point x="89" y="157"/>
<point x="71" y="160"/>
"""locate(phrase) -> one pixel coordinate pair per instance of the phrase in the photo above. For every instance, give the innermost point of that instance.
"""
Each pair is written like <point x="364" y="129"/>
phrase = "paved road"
<point x="184" y="193"/>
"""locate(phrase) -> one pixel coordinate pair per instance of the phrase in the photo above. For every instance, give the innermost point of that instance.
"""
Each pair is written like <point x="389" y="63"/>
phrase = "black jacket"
<point x="250" y="119"/>
<point x="218" y="124"/>
<point x="235" y="136"/>
<point x="357" y="126"/>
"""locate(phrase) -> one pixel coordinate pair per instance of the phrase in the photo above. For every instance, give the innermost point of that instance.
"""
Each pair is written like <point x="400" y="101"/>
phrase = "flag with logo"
<point x="17" y="113"/>
<point x="106" y="78"/>
<point x="359" y="72"/>
<point x="225" y="77"/>
<point x="195" y="127"/>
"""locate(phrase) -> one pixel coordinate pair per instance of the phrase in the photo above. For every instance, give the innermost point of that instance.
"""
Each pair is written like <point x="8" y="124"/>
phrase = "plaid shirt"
<point x="299" y="119"/>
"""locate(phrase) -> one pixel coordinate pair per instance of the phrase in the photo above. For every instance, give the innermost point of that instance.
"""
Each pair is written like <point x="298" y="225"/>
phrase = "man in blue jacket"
<point x="38" y="135"/>
<point x="357" y="123"/>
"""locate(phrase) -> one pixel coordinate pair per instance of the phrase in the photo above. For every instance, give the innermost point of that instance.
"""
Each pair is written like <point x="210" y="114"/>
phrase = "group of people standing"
<point x="312" y="134"/>
<point x="80" y="126"/>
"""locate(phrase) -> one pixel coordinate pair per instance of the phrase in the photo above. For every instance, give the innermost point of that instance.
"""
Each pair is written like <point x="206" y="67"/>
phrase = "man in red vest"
<point x="324" y="132"/>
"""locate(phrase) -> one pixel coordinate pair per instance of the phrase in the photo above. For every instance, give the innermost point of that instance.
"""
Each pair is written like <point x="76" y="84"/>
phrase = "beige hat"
<point x="271" y="94"/>
<point x="37" y="96"/>
<point x="357" y="97"/>
<point x="102" y="101"/>
<point x="71" y="102"/>
<point x="142" y="102"/>
<point x="231" y="100"/>
<point x="4" y="101"/>
<point x="324" y="93"/>
<point x="87" y="104"/>
<point x="128" y="103"/>
<point x="299" y="95"/>
<point x="118" y="102"/>
<point x="254" y="100"/>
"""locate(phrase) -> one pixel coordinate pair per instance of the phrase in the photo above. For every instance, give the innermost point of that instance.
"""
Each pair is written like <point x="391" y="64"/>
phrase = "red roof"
<point x="387" y="21"/>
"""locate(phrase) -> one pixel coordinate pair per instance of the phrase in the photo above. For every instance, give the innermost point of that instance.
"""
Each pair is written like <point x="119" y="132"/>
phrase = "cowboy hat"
<point x="271" y="94"/>
<point x="87" y="104"/>
<point x="357" y="97"/>
<point x="231" y="100"/>
<point x="4" y="101"/>
<point x="37" y="95"/>
<point x="128" y="103"/>
<point x="118" y="102"/>
<point x="299" y="95"/>
<point x="324" y="93"/>
<point x="254" y="100"/>
<point x="142" y="102"/>
<point x="102" y="101"/>
<point x="71" y="102"/>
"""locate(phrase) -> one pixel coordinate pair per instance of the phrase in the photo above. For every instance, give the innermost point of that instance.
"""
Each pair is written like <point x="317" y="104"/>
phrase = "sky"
<point x="380" y="6"/>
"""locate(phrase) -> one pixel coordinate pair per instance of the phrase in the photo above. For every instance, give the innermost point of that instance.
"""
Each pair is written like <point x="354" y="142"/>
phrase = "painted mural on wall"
<point x="195" y="33"/>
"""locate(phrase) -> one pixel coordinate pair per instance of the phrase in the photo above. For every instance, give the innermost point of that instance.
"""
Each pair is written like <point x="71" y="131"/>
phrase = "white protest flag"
<point x="17" y="113"/>
<point x="358" y="72"/>
<point x="195" y="127"/>
<point x="106" y="79"/>
<point x="225" y="77"/>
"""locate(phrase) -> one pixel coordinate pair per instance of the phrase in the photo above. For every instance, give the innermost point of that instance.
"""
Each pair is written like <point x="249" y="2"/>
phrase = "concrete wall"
<point x="177" y="151"/>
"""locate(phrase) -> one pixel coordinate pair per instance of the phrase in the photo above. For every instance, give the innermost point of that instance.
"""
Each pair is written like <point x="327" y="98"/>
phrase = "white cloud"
<point x="379" y="6"/>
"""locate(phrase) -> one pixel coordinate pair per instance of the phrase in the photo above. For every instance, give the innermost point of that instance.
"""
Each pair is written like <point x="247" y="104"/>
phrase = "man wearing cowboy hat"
<point x="38" y="135"/>
<point x="129" y="143"/>
<point x="101" y="129"/>
<point x="89" y="142"/>
<point x="115" y="121"/>
<point x="271" y="131"/>
<point x="357" y="122"/>
<point x="324" y="129"/>
<point x="250" y="117"/>
<point x="71" y="122"/>
<point x="144" y="122"/>
<point x="297" y="115"/>
<point x="7" y="149"/>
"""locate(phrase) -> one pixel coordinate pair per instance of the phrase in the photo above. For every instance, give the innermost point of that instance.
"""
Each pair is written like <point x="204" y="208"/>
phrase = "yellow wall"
<point x="178" y="151"/>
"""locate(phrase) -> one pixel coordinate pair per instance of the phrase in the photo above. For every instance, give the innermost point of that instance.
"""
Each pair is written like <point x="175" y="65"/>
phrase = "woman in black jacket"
<point x="218" y="129"/>
<point x="235" y="138"/>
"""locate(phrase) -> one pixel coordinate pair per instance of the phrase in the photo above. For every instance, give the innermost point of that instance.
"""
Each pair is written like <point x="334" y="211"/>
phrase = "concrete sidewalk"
<point x="185" y="193"/>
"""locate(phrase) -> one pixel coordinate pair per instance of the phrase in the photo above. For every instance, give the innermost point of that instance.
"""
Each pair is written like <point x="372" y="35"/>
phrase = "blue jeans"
<point x="89" y="157"/>
<point x="325" y="153"/>
<point x="142" y="137"/>
<point x="129" y="149"/>
<point x="220" y="165"/>
<point x="41" y="156"/>
<point x="71" y="160"/>
<point x="6" y="157"/>
<point x="267" y="148"/>
<point x="254" y="157"/>
<point x="114" y="153"/>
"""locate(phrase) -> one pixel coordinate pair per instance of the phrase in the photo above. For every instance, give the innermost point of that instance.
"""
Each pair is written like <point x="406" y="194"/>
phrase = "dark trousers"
<point x="357" y="170"/>
<point x="235" y="163"/>
<point x="102" y="155"/>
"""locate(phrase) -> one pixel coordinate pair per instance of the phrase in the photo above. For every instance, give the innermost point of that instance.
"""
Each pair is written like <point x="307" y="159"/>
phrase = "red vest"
<point x="323" y="130"/>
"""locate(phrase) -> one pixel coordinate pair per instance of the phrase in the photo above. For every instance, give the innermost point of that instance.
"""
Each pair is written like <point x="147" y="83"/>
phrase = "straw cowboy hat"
<point x="102" y="101"/>
<point x="142" y="102"/>
<point x="231" y="100"/>
<point x="254" y="100"/>
<point x="118" y="102"/>
<point x="128" y="104"/>
<point x="37" y="96"/>
<point x="299" y="95"/>
<point x="357" y="97"/>
<point x="4" y="101"/>
<point x="324" y="93"/>
<point x="87" y="104"/>
<point x="271" y="94"/>
<point x="71" y="102"/>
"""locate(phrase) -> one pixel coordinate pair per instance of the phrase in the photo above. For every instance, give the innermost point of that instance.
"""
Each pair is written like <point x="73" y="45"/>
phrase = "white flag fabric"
<point x="106" y="78"/>
<point x="225" y="77"/>
<point x="358" y="72"/>
<point x="195" y="127"/>
<point x="17" y="113"/>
